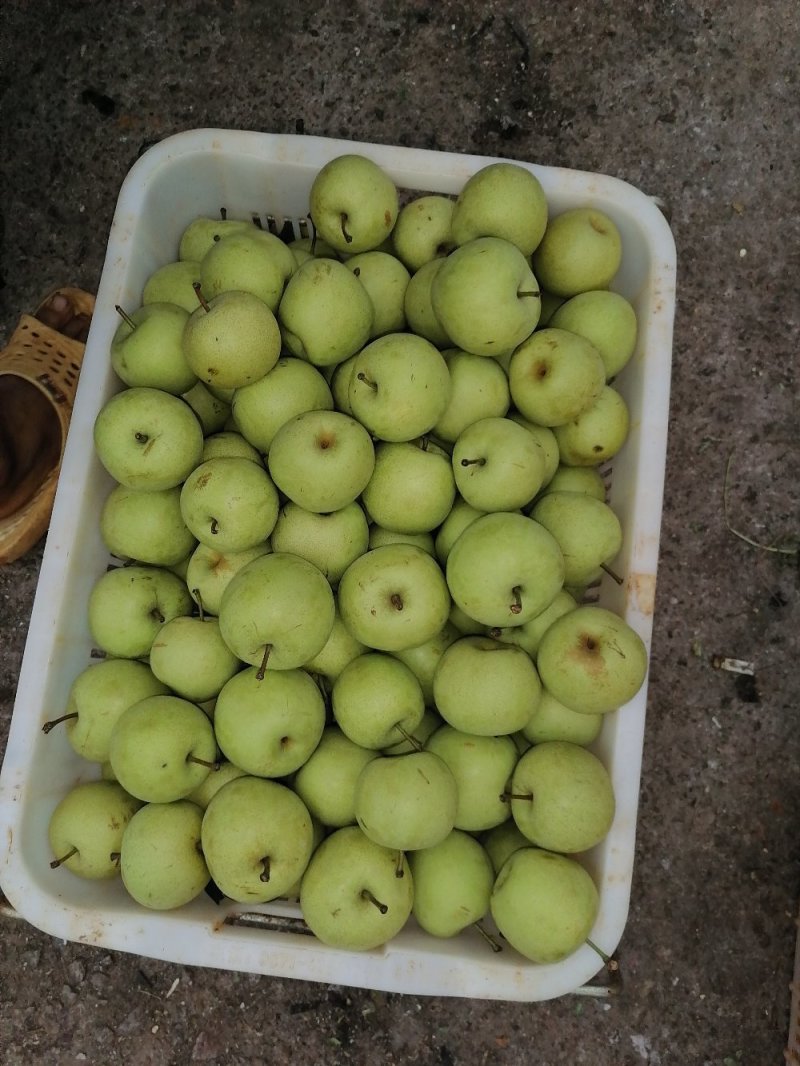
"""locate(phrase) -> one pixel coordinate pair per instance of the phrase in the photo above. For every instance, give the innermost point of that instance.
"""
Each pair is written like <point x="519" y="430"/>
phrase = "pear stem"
<point x="611" y="573"/>
<point x="198" y="292"/>
<point x="64" y="718"/>
<point x="516" y="606"/>
<point x="264" y="876"/>
<point x="203" y="762"/>
<point x="473" y="462"/>
<point x="409" y="737"/>
<point x="126" y="318"/>
<point x="57" y="862"/>
<point x="396" y="601"/>
<point x="363" y="377"/>
<point x="115" y="856"/>
<point x="398" y="868"/>
<point x="366" y="894"/>
<point x="345" y="234"/>
<point x="223" y="213"/>
<point x="612" y="964"/>
<point x="505" y="797"/>
<point x="533" y="293"/>
<point x="357" y="272"/>
<point x="214" y="527"/>
<point x="198" y="599"/>
<point x="157" y="616"/>
<point x="490" y="940"/>
<point x="263" y="668"/>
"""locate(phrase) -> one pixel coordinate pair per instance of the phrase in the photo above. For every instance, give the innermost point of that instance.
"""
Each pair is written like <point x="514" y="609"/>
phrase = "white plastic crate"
<point x="196" y="173"/>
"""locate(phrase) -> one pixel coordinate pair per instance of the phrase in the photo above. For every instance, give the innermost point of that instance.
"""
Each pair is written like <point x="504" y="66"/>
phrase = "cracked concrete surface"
<point x="693" y="101"/>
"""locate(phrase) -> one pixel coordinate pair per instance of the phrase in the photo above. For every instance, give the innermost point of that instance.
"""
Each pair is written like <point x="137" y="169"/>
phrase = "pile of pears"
<point x="345" y="655"/>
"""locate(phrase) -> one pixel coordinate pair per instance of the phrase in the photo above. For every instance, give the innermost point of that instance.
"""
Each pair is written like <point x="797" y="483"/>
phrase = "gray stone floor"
<point x="696" y="102"/>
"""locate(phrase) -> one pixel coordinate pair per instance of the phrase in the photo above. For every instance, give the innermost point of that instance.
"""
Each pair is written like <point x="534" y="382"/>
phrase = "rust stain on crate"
<point x="642" y="592"/>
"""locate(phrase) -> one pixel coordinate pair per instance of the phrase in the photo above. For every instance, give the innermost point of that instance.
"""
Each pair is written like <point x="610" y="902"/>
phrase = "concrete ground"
<point x="696" y="102"/>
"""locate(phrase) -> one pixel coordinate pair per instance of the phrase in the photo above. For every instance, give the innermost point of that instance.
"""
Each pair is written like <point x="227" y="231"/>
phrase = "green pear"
<point x="405" y="802"/>
<point x="206" y="790"/>
<point x="98" y="696"/>
<point x="482" y="767"/>
<point x="544" y="904"/>
<point x="330" y="541"/>
<point x="147" y="349"/>
<point x="129" y="604"/>
<point x="229" y="504"/>
<point x="380" y="535"/>
<point x="86" y="829"/>
<point x="340" y="649"/>
<point x="411" y="489"/>
<point x="354" y="204"/>
<point x="553" y="721"/>
<point x="269" y="727"/>
<point x="211" y="410"/>
<point x="211" y="571"/>
<point x="562" y="798"/>
<point x="453" y="883"/>
<point x="385" y="279"/>
<point x="497" y="465"/>
<point x="422" y="231"/>
<point x="201" y="235"/>
<point x="596" y="434"/>
<point x="394" y="597"/>
<point x="554" y="376"/>
<point x="418" y="305"/>
<point x="161" y="862"/>
<point x="322" y="460"/>
<point x="257" y="838"/>
<point x="326" y="314"/>
<point x="504" y="569"/>
<point x="148" y="439"/>
<point x="230" y="445"/>
<point x="277" y="612"/>
<point x="501" y="841"/>
<point x="584" y="479"/>
<point x="190" y="656"/>
<point x="290" y="388"/>
<point x="174" y="283"/>
<point x="486" y="297"/>
<point x="479" y="389"/>
<point x="232" y="340"/>
<point x="587" y="530"/>
<point x="326" y="782"/>
<point x="400" y="387"/>
<point x="423" y="659"/>
<point x="253" y="261"/>
<point x="592" y="660"/>
<point x="377" y="701"/>
<point x="351" y="895"/>
<point x="462" y="514"/>
<point x="146" y="526"/>
<point x="607" y="320"/>
<point x="501" y="200"/>
<point x="485" y="687"/>
<point x="581" y="250"/>
<point x="162" y="748"/>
